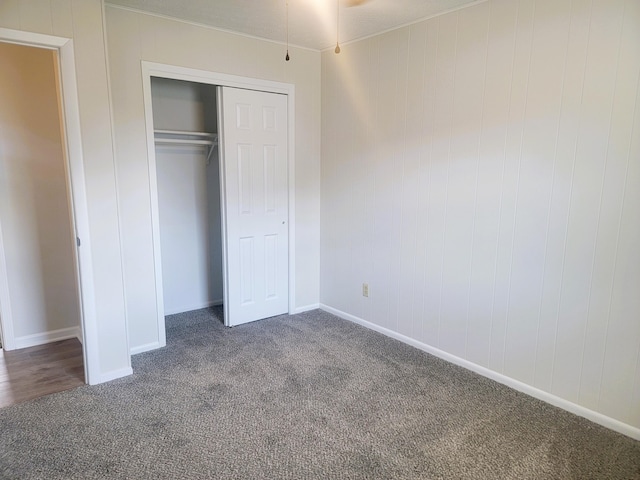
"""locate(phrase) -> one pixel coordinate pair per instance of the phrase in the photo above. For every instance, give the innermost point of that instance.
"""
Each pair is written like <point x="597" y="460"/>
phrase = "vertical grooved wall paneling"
<point x="134" y="37"/>
<point x="481" y="172"/>
<point x="82" y="21"/>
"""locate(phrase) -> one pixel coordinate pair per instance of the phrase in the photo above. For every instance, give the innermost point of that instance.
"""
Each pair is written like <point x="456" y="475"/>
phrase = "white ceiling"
<point x="312" y="23"/>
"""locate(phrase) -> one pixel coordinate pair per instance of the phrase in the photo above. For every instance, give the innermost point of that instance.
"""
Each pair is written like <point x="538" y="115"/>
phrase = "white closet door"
<point x="253" y="136"/>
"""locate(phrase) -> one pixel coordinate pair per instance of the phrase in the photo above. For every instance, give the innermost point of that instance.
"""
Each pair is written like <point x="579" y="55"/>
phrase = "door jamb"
<point x="74" y="164"/>
<point x="6" y="318"/>
<point x="152" y="69"/>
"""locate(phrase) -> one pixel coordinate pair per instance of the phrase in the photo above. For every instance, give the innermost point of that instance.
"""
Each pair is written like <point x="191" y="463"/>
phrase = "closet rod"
<point x="175" y="141"/>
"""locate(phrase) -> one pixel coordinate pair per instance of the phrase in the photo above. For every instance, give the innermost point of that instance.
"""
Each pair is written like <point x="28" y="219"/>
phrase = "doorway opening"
<point x="39" y="274"/>
<point x="254" y="181"/>
<point x="187" y="173"/>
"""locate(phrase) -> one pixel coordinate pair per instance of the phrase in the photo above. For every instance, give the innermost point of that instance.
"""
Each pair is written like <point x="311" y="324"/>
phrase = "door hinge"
<point x="78" y="241"/>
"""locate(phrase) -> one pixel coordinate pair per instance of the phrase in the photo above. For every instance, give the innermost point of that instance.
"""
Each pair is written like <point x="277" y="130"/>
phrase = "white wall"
<point x="133" y="37"/>
<point x="81" y="20"/>
<point x="188" y="198"/>
<point x="481" y="170"/>
<point x="179" y="105"/>
<point x="34" y="207"/>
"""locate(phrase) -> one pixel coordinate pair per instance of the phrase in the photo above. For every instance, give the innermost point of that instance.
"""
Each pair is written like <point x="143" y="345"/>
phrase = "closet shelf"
<point x="184" y="133"/>
<point x="181" y="137"/>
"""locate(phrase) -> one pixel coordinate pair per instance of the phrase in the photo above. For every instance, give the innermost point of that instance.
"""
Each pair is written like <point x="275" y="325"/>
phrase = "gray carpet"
<point x="301" y="397"/>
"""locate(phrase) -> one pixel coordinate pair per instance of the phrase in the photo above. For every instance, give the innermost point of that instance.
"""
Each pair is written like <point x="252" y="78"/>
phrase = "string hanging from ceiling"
<point x="337" y="49"/>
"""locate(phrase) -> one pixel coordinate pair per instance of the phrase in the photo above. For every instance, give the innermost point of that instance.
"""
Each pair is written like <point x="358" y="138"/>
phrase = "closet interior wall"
<point x="188" y="197"/>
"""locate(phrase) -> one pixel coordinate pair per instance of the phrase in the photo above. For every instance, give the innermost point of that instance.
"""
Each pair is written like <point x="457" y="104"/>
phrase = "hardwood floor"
<point x="37" y="371"/>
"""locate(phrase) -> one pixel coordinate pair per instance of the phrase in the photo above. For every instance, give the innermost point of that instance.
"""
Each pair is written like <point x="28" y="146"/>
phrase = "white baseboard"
<point x="307" y="308"/>
<point x="46" y="337"/>
<point x="547" y="397"/>
<point x="189" y="308"/>
<point x="145" y="348"/>
<point x="114" y="374"/>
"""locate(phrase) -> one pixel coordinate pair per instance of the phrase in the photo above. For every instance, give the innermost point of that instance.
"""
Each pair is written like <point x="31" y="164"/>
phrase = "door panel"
<point x="253" y="139"/>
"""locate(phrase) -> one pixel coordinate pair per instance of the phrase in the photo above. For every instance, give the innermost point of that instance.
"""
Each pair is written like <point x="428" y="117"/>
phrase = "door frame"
<point x="77" y="200"/>
<point x="152" y="69"/>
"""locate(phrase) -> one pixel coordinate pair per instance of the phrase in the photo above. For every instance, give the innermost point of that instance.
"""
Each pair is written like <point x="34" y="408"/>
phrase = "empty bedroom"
<point x="342" y="239"/>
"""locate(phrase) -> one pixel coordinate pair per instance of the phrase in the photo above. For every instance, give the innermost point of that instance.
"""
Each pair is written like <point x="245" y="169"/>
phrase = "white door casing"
<point x="77" y="190"/>
<point x="253" y="154"/>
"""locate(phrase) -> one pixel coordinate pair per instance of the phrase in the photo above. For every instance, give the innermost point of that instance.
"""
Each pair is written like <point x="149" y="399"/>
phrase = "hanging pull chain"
<point x="287" y="14"/>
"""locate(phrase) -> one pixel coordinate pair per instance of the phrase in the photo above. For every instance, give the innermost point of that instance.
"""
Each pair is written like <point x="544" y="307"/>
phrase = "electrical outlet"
<point x="365" y="289"/>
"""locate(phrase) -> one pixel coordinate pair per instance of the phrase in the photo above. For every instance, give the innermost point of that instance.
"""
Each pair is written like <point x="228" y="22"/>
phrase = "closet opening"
<point x="188" y="189"/>
<point x="221" y="172"/>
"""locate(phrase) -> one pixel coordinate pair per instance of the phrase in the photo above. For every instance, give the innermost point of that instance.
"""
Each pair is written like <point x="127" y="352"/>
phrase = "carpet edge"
<point x="596" y="417"/>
